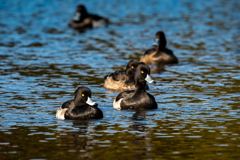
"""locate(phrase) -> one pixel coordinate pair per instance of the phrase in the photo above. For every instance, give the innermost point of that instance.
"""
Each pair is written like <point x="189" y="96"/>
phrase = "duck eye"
<point x="83" y="95"/>
<point x="132" y="67"/>
<point x="142" y="72"/>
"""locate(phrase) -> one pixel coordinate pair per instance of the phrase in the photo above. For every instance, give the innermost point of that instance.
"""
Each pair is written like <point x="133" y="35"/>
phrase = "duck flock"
<point x="132" y="81"/>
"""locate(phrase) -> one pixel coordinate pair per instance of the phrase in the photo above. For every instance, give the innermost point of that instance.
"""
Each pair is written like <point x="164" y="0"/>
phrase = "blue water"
<point x="43" y="61"/>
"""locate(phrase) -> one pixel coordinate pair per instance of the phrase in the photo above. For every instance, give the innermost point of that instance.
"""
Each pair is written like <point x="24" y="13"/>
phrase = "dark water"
<point x="42" y="62"/>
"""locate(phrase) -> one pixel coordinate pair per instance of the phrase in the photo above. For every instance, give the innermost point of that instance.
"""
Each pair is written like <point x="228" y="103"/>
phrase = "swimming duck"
<point x="83" y="19"/>
<point x="159" y="54"/>
<point x="138" y="98"/>
<point x="122" y="80"/>
<point x="81" y="107"/>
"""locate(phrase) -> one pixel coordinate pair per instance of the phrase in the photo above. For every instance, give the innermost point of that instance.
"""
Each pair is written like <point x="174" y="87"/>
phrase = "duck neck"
<point x="160" y="48"/>
<point x="78" y="103"/>
<point x="84" y="13"/>
<point x="140" y="86"/>
<point x="130" y="78"/>
<point x="161" y="43"/>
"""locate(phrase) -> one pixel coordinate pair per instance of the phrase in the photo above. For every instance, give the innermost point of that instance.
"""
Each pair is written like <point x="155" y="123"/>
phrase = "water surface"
<point x="43" y="61"/>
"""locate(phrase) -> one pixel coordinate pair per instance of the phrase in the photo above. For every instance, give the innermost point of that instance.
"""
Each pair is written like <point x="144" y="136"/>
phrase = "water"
<point x="43" y="61"/>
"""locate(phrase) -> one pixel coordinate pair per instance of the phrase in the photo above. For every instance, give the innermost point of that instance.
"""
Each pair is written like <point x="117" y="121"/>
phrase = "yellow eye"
<point x="132" y="67"/>
<point x="142" y="72"/>
<point x="83" y="95"/>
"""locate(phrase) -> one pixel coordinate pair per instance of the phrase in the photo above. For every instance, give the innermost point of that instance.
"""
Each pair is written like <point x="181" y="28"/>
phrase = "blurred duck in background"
<point x="159" y="54"/>
<point x="83" y="19"/>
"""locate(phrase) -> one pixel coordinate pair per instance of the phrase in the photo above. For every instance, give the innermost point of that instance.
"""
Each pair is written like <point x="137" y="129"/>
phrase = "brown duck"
<point x="159" y="54"/>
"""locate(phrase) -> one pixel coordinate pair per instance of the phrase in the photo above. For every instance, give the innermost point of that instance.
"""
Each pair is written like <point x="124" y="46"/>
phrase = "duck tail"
<point x="105" y="77"/>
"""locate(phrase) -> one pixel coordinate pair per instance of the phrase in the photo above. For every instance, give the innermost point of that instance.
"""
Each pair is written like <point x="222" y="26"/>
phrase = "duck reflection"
<point x="139" y="115"/>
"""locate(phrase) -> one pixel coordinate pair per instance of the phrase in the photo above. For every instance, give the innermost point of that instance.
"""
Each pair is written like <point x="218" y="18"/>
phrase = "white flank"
<point x="60" y="113"/>
<point x="117" y="104"/>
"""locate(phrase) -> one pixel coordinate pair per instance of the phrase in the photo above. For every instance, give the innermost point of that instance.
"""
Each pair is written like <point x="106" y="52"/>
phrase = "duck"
<point x="82" y="19"/>
<point x="138" y="98"/>
<point x="122" y="80"/>
<point x="81" y="107"/>
<point x="159" y="54"/>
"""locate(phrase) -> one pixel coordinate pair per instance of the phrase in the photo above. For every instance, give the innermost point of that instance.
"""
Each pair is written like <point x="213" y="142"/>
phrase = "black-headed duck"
<point x="159" y="54"/>
<point x="81" y="107"/>
<point x="122" y="80"/>
<point x="138" y="98"/>
<point x="83" y="19"/>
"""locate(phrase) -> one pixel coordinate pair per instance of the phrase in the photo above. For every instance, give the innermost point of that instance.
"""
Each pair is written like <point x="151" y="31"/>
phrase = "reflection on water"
<point x="42" y="62"/>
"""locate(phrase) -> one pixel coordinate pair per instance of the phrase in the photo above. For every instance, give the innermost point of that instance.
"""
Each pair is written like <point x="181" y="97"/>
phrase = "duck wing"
<point x="84" y="112"/>
<point x="150" y="51"/>
<point x="117" y="76"/>
<point x="68" y="104"/>
<point x="95" y="17"/>
<point x="125" y="94"/>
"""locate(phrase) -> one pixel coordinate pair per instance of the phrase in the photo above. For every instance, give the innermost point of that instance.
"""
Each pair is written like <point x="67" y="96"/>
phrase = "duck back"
<point x="84" y="112"/>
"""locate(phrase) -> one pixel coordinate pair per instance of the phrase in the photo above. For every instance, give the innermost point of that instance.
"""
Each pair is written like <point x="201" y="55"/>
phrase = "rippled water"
<point x="42" y="61"/>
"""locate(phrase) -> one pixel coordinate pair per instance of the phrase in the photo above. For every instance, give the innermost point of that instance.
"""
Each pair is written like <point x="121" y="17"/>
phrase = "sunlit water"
<point x="43" y="61"/>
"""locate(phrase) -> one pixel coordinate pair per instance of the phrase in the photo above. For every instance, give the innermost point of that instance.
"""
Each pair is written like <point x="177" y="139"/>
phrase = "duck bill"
<point x="77" y="16"/>
<point x="156" y="42"/>
<point x="90" y="102"/>
<point x="149" y="79"/>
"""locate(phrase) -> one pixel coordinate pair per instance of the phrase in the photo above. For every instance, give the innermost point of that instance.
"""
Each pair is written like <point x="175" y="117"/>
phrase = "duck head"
<point x="80" y="12"/>
<point x="142" y="74"/>
<point x="160" y="39"/>
<point x="83" y="97"/>
<point x="131" y="67"/>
